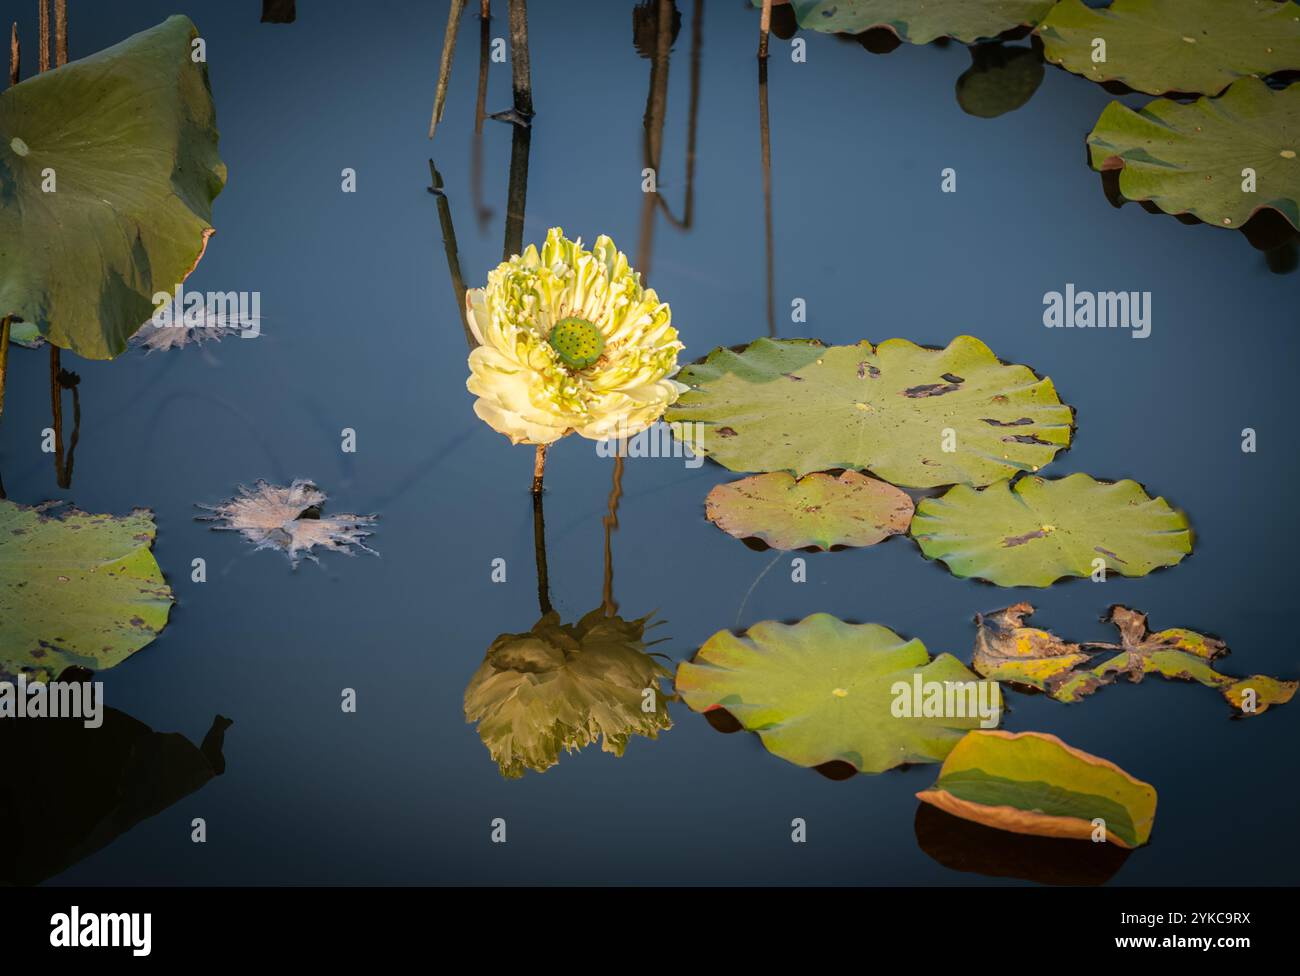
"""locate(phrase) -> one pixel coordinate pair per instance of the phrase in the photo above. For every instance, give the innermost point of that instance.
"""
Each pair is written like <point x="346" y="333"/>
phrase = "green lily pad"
<point x="999" y="80"/>
<point x="1191" y="158"/>
<point x="81" y="590"/>
<point x="1032" y="783"/>
<point x="1008" y="650"/>
<point x="1159" y="46"/>
<point x="130" y="136"/>
<point x="1038" y="530"/>
<point x="920" y="23"/>
<point x="818" y="510"/>
<point x="893" y="409"/>
<point x="825" y="691"/>
<point x="561" y="687"/>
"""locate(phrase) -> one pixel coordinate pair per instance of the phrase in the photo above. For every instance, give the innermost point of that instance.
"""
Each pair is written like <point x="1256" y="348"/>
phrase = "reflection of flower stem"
<point x="449" y="246"/>
<point x="481" y="211"/>
<point x="444" y="65"/>
<point x="539" y="550"/>
<point x="611" y="522"/>
<point x="765" y="137"/>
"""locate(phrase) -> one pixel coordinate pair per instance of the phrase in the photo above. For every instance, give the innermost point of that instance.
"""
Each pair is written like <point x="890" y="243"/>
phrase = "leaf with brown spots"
<point x="80" y="589"/>
<point x="819" y="510"/>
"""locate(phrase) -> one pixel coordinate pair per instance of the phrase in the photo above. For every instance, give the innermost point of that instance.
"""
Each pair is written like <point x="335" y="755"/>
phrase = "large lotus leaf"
<point x="1159" y="46"/>
<point x="819" y="509"/>
<point x="81" y="590"/>
<point x="919" y="22"/>
<point x="1038" y="530"/>
<point x="129" y="133"/>
<point x="999" y="80"/>
<point x="823" y="691"/>
<point x="561" y="687"/>
<point x="1191" y="158"/>
<point x="1032" y="783"/>
<point x="894" y="409"/>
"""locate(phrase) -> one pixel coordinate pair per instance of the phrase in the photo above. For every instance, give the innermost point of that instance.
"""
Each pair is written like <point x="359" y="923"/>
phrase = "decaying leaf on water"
<point x="289" y="519"/>
<point x="1008" y="650"/>
<point x="563" y="686"/>
<point x="819" y="510"/>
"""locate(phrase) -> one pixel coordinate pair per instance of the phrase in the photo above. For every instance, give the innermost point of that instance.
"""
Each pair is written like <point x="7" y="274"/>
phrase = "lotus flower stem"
<point x="444" y="67"/>
<point x="4" y="358"/>
<point x="539" y="468"/>
<point x="765" y="141"/>
<point x="43" y="56"/>
<point x="764" y="26"/>
<point x="60" y="32"/>
<point x="485" y="9"/>
<point x="611" y="523"/>
<point x="539" y="551"/>
<point x="15" y="56"/>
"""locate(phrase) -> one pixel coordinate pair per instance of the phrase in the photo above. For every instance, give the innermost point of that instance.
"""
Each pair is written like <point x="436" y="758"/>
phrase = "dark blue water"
<point x="361" y="331"/>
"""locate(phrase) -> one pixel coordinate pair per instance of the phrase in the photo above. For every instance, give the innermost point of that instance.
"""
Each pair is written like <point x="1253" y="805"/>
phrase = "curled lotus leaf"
<point x="1192" y="159"/>
<point x="130" y="135"/>
<point x="1037" y="530"/>
<point x="824" y="691"/>
<point x="919" y="23"/>
<point x="1187" y="46"/>
<point x="819" y="510"/>
<point x="76" y="589"/>
<point x="1033" y="783"/>
<point x="911" y="415"/>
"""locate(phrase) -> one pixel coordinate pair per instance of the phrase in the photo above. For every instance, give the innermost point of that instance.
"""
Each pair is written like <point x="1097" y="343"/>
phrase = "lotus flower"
<point x="570" y="342"/>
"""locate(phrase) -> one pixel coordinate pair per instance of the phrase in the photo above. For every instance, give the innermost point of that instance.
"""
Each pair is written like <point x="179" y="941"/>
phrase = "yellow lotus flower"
<point x="570" y="343"/>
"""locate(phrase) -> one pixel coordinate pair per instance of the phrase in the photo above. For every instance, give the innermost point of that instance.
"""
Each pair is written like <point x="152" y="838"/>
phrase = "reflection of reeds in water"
<point x="481" y="211"/>
<point x="765" y="141"/>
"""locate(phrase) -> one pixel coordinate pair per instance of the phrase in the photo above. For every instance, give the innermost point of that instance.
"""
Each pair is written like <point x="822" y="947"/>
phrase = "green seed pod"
<point x="577" y="342"/>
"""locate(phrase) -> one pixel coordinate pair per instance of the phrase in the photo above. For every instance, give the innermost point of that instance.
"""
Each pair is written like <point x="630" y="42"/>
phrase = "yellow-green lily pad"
<point x="1039" y="530"/>
<point x="819" y="510"/>
<point x="1033" y="783"/>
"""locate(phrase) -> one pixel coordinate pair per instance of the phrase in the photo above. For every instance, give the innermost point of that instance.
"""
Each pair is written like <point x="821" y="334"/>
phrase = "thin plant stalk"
<point x="56" y="405"/>
<point x="539" y="552"/>
<point x="60" y="32"/>
<point x="451" y="250"/>
<point x="15" y="56"/>
<point x="5" y="324"/>
<point x="520" y="71"/>
<point x="444" y="67"/>
<point x="43" y="19"/>
<point x="610" y="522"/>
<point x="539" y="468"/>
<point x="764" y="28"/>
<point x="765" y="139"/>
<point x="481" y="211"/>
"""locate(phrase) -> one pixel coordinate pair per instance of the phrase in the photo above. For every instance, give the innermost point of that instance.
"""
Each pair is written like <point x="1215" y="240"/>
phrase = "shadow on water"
<point x="82" y="788"/>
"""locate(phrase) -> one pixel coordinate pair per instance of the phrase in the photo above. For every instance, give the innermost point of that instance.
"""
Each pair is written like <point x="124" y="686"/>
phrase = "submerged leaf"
<point x="1007" y="650"/>
<point x="825" y="691"/>
<point x="289" y="519"/>
<point x="562" y="687"/>
<point x="920" y="23"/>
<point x="1193" y="159"/>
<point x="80" y="590"/>
<point x="1033" y="783"/>
<point x="820" y="509"/>
<point x="914" y="416"/>
<point x="1038" y="530"/>
<point x="1159" y="46"/>
<point x="130" y="135"/>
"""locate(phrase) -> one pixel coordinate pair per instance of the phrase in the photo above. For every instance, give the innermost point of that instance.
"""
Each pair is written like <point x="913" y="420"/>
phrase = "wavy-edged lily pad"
<point x="78" y="590"/>
<point x="1037" y="530"/>
<point x="1033" y="783"/>
<point x="920" y="23"/>
<point x="819" y="510"/>
<point x="289" y="519"/>
<point x="1190" y="159"/>
<point x="999" y="80"/>
<point x="1189" y="46"/>
<point x="1008" y="650"/>
<point x="561" y="687"/>
<point x="130" y="135"/>
<point x="824" y="691"/>
<point x="893" y="409"/>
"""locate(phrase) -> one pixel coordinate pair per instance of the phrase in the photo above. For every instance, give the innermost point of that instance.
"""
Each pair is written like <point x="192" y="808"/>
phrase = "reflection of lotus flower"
<point x="562" y="686"/>
<point x="570" y="342"/>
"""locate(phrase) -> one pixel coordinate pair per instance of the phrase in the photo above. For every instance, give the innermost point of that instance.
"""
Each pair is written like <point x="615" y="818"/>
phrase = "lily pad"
<point x="1033" y="783"/>
<point x="999" y="80"/>
<point x="289" y="520"/>
<point x="1189" y="46"/>
<point x="818" y="510"/>
<point x="1039" y="530"/>
<point x="1008" y="650"/>
<point x="912" y="415"/>
<point x="81" y="590"/>
<point x="1191" y="159"/>
<point x="561" y="687"/>
<point x="825" y="691"/>
<point x="920" y="23"/>
<point x="130" y="135"/>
